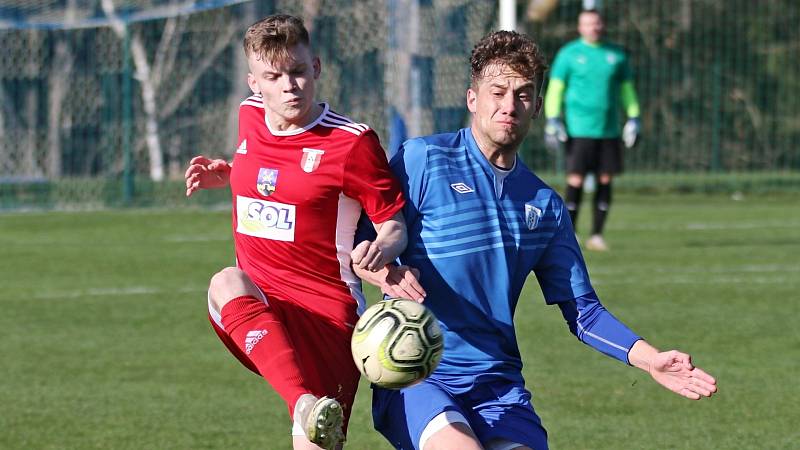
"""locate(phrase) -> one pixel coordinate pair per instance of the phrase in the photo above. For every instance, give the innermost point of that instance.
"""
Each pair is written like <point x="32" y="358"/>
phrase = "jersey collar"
<point x="325" y="108"/>
<point x="475" y="152"/>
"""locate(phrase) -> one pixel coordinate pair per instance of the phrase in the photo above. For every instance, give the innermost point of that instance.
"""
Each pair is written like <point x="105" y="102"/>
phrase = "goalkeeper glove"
<point x="630" y="132"/>
<point x="554" y="134"/>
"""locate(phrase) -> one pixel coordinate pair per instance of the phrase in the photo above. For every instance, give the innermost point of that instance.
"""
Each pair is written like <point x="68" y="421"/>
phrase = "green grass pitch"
<point x="104" y="341"/>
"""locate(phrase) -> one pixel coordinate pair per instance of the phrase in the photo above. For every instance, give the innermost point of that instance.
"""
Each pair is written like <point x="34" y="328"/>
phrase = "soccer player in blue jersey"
<point x="479" y="221"/>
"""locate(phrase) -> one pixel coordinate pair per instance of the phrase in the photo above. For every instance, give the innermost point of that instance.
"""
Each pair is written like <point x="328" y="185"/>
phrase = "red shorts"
<point x="322" y="348"/>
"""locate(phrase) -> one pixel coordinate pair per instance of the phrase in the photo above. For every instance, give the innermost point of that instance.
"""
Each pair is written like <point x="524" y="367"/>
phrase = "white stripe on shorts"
<point x="450" y="417"/>
<point x="439" y="422"/>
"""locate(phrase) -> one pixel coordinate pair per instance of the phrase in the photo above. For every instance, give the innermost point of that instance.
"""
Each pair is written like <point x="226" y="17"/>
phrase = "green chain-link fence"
<point x="719" y="84"/>
<point x="102" y="102"/>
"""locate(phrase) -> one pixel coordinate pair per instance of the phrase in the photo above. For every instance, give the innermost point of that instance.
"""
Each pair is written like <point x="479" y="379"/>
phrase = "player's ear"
<point x="472" y="100"/>
<point x="317" y="67"/>
<point x="251" y="81"/>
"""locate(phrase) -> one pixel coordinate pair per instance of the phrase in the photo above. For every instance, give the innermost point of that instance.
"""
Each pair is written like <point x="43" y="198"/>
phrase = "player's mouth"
<point x="508" y="124"/>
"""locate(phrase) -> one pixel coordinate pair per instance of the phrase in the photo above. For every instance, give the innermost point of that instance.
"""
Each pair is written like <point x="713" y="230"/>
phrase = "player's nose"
<point x="508" y="105"/>
<point x="288" y="83"/>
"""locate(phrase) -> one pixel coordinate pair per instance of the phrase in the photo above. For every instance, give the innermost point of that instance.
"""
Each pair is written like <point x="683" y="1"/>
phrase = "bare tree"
<point x="238" y="70"/>
<point x="151" y="77"/>
<point x="58" y="82"/>
<point x="144" y="77"/>
<point x="30" y="166"/>
<point x="29" y="143"/>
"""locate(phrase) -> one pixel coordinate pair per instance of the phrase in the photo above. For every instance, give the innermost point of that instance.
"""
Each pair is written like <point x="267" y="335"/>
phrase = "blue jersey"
<point x="475" y="249"/>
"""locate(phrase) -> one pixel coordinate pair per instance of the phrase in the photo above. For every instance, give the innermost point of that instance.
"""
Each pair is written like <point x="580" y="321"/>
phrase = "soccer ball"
<point x="397" y="343"/>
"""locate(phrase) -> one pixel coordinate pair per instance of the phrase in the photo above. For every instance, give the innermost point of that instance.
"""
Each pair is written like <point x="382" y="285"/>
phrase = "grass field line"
<point x="695" y="281"/>
<point x="198" y="238"/>
<point x="176" y="239"/>
<point x="747" y="268"/>
<point x="707" y="226"/>
<point x="115" y="292"/>
<point x="745" y="274"/>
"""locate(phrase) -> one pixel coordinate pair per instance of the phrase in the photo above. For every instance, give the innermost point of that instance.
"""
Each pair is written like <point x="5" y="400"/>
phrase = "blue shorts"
<point x="497" y="410"/>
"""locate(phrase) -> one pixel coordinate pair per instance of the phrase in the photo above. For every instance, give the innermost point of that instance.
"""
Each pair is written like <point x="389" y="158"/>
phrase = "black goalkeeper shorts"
<point x="599" y="156"/>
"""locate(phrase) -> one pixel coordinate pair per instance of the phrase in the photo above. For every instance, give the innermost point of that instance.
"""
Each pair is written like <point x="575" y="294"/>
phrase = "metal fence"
<point x="102" y="102"/>
<point x="719" y="81"/>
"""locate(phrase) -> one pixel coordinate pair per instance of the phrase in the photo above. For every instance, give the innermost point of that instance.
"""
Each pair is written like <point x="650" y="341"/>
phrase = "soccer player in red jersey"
<point x="300" y="178"/>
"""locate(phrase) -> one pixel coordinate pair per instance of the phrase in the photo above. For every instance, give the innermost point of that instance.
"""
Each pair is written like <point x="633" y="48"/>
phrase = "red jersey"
<point x="297" y="198"/>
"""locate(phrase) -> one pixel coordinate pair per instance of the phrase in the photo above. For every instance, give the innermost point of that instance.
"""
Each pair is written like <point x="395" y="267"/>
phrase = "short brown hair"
<point x="515" y="50"/>
<point x="271" y="37"/>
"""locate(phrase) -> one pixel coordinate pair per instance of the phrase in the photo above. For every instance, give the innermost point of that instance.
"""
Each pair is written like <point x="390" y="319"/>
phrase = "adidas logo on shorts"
<point x="252" y="339"/>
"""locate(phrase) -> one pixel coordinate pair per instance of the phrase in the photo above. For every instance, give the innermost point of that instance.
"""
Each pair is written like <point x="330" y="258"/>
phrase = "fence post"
<point x="127" y="120"/>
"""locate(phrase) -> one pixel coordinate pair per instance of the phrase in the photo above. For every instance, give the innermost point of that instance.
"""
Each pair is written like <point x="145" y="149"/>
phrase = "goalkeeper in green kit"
<point x="591" y="78"/>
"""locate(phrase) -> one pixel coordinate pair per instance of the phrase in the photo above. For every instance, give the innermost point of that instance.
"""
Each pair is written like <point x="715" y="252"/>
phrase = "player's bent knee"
<point x="230" y="283"/>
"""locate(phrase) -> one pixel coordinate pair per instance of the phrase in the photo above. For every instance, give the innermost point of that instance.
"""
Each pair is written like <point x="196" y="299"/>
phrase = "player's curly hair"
<point x="271" y="37"/>
<point x="517" y="51"/>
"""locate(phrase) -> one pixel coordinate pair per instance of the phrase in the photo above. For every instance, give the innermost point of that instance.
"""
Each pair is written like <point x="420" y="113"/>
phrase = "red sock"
<point x="258" y="332"/>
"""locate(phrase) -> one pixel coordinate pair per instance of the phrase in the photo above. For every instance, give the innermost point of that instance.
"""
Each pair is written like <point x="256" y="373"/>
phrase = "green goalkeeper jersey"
<point x="594" y="79"/>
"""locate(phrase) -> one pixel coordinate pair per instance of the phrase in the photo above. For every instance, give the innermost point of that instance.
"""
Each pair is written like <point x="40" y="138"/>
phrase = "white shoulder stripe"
<point x="332" y="119"/>
<point x="249" y="103"/>
<point x="254" y="100"/>
<point x="358" y="126"/>
<point x="324" y="122"/>
<point x="338" y="118"/>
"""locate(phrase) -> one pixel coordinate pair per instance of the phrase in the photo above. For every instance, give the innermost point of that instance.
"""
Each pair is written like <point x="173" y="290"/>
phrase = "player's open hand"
<point x="402" y="281"/>
<point x="205" y="173"/>
<point x="674" y="371"/>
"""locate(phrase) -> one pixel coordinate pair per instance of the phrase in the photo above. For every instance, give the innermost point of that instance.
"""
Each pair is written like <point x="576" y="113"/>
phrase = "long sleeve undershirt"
<point x="593" y="325"/>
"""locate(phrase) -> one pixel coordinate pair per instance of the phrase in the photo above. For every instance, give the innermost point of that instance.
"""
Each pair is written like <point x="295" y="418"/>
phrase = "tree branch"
<point x="190" y="81"/>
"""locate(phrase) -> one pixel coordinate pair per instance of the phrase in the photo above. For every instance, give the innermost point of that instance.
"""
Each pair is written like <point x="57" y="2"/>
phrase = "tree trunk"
<point x="57" y="89"/>
<point x="30" y="167"/>
<point x="239" y="70"/>
<point x="155" y="153"/>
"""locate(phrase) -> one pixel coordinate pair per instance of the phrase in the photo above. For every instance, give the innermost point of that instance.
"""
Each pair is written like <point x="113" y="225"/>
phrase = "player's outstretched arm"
<point x="387" y="246"/>
<point x="673" y="370"/>
<point x="205" y="173"/>
<point x="395" y="281"/>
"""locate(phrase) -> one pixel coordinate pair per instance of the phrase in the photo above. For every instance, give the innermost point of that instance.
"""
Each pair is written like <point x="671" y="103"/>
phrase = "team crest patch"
<point x="267" y="181"/>
<point x="310" y="160"/>
<point x="532" y="216"/>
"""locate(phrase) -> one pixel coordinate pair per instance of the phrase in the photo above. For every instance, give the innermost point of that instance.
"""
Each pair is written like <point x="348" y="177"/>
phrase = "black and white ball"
<point x="397" y="343"/>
